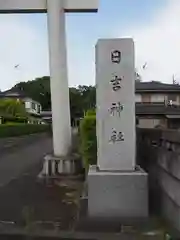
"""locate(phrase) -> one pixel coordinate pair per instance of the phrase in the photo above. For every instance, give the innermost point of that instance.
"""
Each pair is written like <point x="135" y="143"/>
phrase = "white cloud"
<point x="20" y="43"/>
<point x="24" y="43"/>
<point x="158" y="44"/>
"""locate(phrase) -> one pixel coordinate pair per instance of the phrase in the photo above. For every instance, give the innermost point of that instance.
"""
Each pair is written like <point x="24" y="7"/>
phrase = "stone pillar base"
<point x="117" y="194"/>
<point x="55" y="166"/>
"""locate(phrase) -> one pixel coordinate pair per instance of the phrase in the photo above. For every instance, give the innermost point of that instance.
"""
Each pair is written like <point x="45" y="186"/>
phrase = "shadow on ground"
<point x="26" y="200"/>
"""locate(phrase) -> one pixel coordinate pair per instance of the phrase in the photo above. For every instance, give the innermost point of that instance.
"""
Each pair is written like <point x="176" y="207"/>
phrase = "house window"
<point x="39" y="109"/>
<point x="27" y="105"/>
<point x="33" y="106"/>
<point x="146" y="98"/>
<point x="172" y="97"/>
<point x="157" y="98"/>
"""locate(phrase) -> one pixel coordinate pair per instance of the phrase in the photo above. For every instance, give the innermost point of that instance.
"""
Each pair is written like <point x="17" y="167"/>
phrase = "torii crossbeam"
<point x="57" y="57"/>
<point x="40" y="6"/>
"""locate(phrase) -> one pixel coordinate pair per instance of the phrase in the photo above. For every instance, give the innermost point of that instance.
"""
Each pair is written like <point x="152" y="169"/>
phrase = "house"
<point x="32" y="107"/>
<point x="46" y="116"/>
<point x="157" y="104"/>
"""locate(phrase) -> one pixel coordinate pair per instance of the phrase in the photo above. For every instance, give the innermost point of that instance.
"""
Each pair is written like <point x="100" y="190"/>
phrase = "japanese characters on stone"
<point x="116" y="83"/>
<point x="116" y="108"/>
<point x="116" y="136"/>
<point x="116" y="56"/>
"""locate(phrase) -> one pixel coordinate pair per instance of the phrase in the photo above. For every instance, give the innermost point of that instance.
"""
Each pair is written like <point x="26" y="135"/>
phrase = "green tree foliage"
<point x="76" y="104"/>
<point x="82" y="98"/>
<point x="88" y="145"/>
<point x="38" y="90"/>
<point x="88" y="94"/>
<point x="91" y="112"/>
<point x="12" y="107"/>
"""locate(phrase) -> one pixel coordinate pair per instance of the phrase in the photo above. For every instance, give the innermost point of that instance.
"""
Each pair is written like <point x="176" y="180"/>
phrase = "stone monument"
<point x="116" y="186"/>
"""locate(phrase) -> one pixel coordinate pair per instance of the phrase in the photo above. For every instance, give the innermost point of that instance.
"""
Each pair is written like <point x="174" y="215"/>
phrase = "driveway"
<point x="18" y="154"/>
<point x="24" y="199"/>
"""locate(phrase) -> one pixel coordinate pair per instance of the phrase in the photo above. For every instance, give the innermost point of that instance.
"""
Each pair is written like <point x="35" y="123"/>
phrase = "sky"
<point x="153" y="24"/>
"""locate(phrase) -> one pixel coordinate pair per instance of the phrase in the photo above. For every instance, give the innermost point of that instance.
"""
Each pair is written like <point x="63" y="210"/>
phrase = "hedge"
<point x="88" y="144"/>
<point x="22" y="129"/>
<point x="91" y="112"/>
<point x="6" y="119"/>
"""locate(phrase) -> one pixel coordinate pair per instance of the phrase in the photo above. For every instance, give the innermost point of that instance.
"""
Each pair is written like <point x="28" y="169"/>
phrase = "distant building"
<point x="46" y="116"/>
<point x="32" y="107"/>
<point x="157" y="105"/>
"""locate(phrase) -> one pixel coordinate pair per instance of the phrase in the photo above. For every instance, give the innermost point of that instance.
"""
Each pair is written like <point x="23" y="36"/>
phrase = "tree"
<point x="38" y="90"/>
<point x="75" y="103"/>
<point x="88" y="95"/>
<point x="12" y="108"/>
<point x="82" y="98"/>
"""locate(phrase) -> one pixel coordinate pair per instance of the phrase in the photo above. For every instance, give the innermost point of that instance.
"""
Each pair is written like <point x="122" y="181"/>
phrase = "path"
<point x="22" y="197"/>
<point x="18" y="155"/>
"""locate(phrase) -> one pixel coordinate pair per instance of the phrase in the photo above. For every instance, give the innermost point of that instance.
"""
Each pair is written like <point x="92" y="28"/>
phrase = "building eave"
<point x="157" y="91"/>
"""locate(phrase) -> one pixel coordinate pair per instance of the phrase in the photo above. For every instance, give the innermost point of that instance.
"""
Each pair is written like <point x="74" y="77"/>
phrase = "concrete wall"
<point x="159" y="154"/>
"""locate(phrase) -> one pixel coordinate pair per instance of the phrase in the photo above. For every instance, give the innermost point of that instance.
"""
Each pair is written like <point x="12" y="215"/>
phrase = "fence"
<point x="158" y="152"/>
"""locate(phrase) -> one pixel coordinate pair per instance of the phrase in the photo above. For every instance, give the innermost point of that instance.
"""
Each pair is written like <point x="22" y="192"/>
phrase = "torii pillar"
<point x="57" y="57"/>
<point x="58" y="69"/>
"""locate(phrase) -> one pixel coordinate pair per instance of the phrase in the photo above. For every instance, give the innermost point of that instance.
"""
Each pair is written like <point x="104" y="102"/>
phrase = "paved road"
<point x="17" y="155"/>
<point x="22" y="197"/>
<point x="11" y="144"/>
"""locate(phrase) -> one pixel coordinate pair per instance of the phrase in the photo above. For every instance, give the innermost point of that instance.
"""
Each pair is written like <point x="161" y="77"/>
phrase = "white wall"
<point x="148" y="123"/>
<point x="154" y="97"/>
<point x="138" y="98"/>
<point x="158" y="97"/>
<point x="178" y="99"/>
<point x="28" y="106"/>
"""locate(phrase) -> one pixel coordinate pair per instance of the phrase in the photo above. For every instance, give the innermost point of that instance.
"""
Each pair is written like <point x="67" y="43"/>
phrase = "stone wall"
<point x="158" y="152"/>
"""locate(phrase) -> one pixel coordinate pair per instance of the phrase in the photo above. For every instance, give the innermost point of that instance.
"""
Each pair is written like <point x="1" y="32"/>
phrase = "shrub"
<point x="91" y="112"/>
<point x="12" y="107"/>
<point x="12" y="130"/>
<point x="7" y="119"/>
<point x="88" y="145"/>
